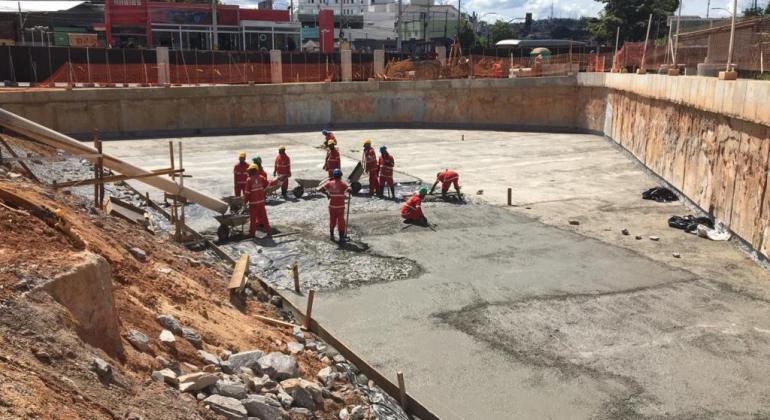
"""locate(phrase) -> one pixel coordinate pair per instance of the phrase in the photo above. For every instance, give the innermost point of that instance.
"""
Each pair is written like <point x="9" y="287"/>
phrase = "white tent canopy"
<point x="8" y="6"/>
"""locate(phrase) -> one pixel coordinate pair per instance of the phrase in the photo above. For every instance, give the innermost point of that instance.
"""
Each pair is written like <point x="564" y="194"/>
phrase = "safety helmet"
<point x="253" y="167"/>
<point x="257" y="160"/>
<point x="383" y="149"/>
<point x="368" y="141"/>
<point x="423" y="191"/>
<point x="242" y="155"/>
<point x="332" y="143"/>
<point x="324" y="131"/>
<point x="337" y="173"/>
<point x="282" y="149"/>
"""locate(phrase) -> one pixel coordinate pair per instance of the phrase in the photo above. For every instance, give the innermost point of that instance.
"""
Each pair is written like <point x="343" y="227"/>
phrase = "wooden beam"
<point x="238" y="280"/>
<point x="21" y="162"/>
<point x="114" y="178"/>
<point x="274" y="321"/>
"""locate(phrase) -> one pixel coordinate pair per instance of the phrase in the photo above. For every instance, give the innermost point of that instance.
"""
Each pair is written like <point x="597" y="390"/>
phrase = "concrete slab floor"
<point x="514" y="312"/>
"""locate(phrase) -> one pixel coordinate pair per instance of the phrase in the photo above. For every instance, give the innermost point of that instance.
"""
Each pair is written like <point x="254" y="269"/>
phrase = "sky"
<point x="492" y="10"/>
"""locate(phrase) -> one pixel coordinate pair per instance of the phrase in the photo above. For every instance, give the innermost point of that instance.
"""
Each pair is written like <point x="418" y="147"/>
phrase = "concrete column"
<point x="161" y="59"/>
<point x="276" y="70"/>
<point x="379" y="62"/>
<point x="346" y="62"/>
<point x="441" y="53"/>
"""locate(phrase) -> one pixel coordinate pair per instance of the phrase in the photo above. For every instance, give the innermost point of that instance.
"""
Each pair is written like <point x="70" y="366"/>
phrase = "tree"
<point x="753" y="11"/>
<point x="631" y="16"/>
<point x="502" y="30"/>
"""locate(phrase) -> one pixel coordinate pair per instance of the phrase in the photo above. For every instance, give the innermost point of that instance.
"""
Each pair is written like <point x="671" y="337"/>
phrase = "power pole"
<point x="708" y="8"/>
<point x="400" y="26"/>
<point x="215" y="40"/>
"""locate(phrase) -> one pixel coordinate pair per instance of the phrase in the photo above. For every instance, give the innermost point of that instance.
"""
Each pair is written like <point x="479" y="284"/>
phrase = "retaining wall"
<point x="706" y="137"/>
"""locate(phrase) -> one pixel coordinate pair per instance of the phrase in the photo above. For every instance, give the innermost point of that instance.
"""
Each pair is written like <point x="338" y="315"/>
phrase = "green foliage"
<point x="631" y="16"/>
<point x="502" y="30"/>
<point x="754" y="11"/>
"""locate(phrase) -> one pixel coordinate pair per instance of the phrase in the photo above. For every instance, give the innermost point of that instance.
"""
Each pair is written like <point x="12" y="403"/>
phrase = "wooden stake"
<point x="510" y="192"/>
<point x="309" y="311"/>
<point x="295" y="273"/>
<point x="402" y="390"/>
<point x="181" y="221"/>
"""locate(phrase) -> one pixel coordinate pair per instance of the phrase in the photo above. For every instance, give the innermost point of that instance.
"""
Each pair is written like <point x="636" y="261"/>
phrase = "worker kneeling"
<point x="411" y="211"/>
<point x="336" y="190"/>
<point x="255" y="188"/>
<point x="447" y="178"/>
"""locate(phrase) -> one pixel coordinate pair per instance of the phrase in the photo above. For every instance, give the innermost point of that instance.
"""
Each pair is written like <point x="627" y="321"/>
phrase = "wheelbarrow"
<point x="235" y="203"/>
<point x="354" y="178"/>
<point x="229" y="222"/>
<point x="309" y="186"/>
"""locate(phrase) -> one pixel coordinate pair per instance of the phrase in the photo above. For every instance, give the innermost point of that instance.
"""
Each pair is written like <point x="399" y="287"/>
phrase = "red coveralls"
<point x="332" y="161"/>
<point x="283" y="169"/>
<point x="373" y="169"/>
<point x="336" y="189"/>
<point x="240" y="175"/>
<point x="386" y="170"/>
<point x="412" y="209"/>
<point x="257" y="213"/>
<point x="329" y="136"/>
<point x="448" y="178"/>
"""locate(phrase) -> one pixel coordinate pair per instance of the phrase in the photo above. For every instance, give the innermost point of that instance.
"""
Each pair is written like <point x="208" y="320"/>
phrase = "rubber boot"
<point x="393" y="193"/>
<point x="443" y="195"/>
<point x="284" y="191"/>
<point x="343" y="237"/>
<point x="331" y="235"/>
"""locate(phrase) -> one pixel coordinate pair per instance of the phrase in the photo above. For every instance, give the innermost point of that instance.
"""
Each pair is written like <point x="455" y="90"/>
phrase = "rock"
<point x="208" y="358"/>
<point x="166" y="376"/>
<point x="279" y="366"/>
<point x="196" y="381"/>
<point x="190" y="368"/>
<point x="170" y="323"/>
<point x="193" y="337"/>
<point x="102" y="368"/>
<point x="295" y="348"/>
<point x="625" y="232"/>
<point x="654" y="238"/>
<point x="200" y="396"/>
<point x="138" y="253"/>
<point x="246" y="371"/>
<point x="263" y="382"/>
<point x="225" y="406"/>
<point x="338" y="358"/>
<point x="327" y="375"/>
<point x="209" y="368"/>
<point x="263" y="408"/>
<point x="677" y="255"/>
<point x="298" y="334"/>
<point x="306" y="394"/>
<point x="167" y="338"/>
<point x="276" y="301"/>
<point x="302" y="413"/>
<point x="225" y="354"/>
<point x="638" y="237"/>
<point x="165" y="363"/>
<point x="286" y="399"/>
<point x="249" y="359"/>
<point x="132" y="416"/>
<point x="358" y="413"/>
<point x="139" y="340"/>
<point x="344" y="414"/>
<point x="574" y="222"/>
<point x="230" y="389"/>
<point x="311" y="345"/>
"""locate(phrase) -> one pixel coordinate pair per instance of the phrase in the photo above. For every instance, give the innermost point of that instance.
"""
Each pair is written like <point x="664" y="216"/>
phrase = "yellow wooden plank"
<point x="238" y="280"/>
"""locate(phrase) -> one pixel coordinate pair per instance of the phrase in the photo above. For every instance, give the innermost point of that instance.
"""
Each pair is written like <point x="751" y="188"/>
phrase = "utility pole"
<point x="676" y="42"/>
<point x="646" y="41"/>
<point x="708" y="8"/>
<point x="215" y="35"/>
<point x="732" y="37"/>
<point x="399" y="26"/>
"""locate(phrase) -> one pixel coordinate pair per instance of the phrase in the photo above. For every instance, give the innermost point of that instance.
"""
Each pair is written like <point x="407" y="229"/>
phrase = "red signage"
<point x="326" y="30"/>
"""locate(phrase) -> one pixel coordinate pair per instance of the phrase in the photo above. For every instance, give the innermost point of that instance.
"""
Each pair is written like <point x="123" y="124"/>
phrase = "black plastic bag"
<point x="689" y="223"/>
<point x="660" y="194"/>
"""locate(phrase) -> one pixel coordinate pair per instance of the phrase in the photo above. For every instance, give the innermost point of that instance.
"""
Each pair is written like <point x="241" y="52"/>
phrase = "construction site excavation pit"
<point x="576" y="301"/>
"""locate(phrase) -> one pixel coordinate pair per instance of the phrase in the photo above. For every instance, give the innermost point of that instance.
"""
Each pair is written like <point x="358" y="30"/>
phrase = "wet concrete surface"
<point x="511" y="312"/>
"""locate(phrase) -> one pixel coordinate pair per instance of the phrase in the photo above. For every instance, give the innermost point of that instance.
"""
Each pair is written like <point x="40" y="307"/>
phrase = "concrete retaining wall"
<point x="712" y="145"/>
<point x="544" y="103"/>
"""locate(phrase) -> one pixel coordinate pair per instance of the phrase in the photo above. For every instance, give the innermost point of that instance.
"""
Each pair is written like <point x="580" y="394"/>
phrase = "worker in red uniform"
<point x="240" y="174"/>
<point x="386" y="164"/>
<point x="328" y="136"/>
<point x="411" y="211"/>
<point x="336" y="190"/>
<point x="447" y="178"/>
<point x="332" y="160"/>
<point x="371" y="167"/>
<point x="255" y="186"/>
<point x="283" y="169"/>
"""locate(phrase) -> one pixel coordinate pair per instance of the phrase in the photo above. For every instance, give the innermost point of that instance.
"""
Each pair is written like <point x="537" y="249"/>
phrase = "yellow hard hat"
<point x="253" y="167"/>
<point x="368" y="141"/>
<point x="242" y="155"/>
<point x="282" y="148"/>
<point x="332" y="142"/>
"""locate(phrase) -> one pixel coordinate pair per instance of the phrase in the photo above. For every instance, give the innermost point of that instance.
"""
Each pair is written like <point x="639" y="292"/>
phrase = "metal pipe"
<point x="732" y="37"/>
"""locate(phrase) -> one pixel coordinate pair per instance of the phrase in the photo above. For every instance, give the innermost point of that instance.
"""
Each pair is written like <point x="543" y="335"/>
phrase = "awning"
<point x="8" y="6"/>
<point x="535" y="43"/>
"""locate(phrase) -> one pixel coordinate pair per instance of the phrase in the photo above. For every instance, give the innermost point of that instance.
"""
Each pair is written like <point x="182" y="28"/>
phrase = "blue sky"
<point x="506" y="9"/>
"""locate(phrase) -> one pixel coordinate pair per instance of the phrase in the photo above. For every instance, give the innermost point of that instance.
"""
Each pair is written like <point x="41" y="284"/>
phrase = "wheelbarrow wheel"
<point x="355" y="186"/>
<point x="298" y="191"/>
<point x="223" y="233"/>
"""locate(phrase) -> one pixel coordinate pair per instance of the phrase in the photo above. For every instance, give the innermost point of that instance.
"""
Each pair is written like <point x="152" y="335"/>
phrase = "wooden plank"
<point x="274" y="321"/>
<point x="21" y="162"/>
<point x="115" y="207"/>
<point x="238" y="280"/>
<point x="114" y="178"/>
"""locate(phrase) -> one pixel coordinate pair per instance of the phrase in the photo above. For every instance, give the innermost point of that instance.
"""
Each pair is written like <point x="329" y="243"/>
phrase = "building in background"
<point x="426" y="21"/>
<point x="366" y="24"/>
<point x="61" y="23"/>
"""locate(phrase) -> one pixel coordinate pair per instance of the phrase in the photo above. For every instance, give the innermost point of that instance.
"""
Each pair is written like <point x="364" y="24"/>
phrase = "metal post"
<point x="400" y="25"/>
<point x="214" y="23"/>
<point x="615" y="56"/>
<point x="646" y="41"/>
<point x="676" y="38"/>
